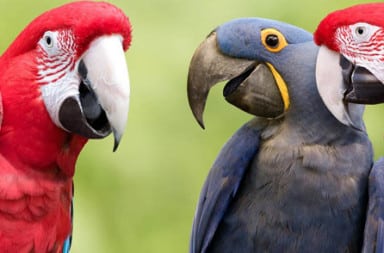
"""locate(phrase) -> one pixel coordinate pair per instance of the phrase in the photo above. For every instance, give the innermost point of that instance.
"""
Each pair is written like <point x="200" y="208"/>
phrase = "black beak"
<point x="251" y="85"/>
<point x="362" y="86"/>
<point x="84" y="115"/>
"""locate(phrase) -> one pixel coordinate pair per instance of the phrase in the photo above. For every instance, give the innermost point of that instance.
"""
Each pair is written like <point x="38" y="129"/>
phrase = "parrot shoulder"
<point x="222" y="184"/>
<point x="374" y="225"/>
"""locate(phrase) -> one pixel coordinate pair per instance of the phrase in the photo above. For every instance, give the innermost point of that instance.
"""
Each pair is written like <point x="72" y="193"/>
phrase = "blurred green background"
<point x="142" y="198"/>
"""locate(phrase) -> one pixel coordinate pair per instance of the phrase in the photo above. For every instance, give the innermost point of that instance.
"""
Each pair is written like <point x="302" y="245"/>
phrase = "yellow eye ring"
<point x="273" y="40"/>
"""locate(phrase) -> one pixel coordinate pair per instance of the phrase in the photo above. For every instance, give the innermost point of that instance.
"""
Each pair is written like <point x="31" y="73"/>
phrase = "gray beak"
<point x="251" y="85"/>
<point x="362" y="86"/>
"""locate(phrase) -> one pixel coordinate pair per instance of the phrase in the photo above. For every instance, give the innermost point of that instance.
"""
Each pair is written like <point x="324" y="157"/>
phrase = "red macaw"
<point x="63" y="80"/>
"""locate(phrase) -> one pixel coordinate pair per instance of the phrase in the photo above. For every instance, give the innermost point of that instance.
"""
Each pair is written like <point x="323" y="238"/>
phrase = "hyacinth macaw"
<point x="296" y="177"/>
<point x="63" y="80"/>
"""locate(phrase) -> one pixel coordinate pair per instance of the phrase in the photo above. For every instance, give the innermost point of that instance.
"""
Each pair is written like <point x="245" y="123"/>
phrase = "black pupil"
<point x="360" y="30"/>
<point x="272" y="40"/>
<point x="48" y="40"/>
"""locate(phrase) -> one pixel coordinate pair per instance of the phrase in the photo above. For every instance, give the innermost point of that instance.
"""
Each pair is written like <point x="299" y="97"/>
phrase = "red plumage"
<point x="37" y="158"/>
<point x="87" y="19"/>
<point x="325" y="32"/>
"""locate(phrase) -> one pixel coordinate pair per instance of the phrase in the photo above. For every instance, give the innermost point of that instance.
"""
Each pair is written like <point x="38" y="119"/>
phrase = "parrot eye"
<point x="48" y="41"/>
<point x="360" y="30"/>
<point x="273" y="40"/>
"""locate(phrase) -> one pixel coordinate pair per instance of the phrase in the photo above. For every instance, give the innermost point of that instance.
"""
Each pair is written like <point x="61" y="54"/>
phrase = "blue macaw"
<point x="297" y="177"/>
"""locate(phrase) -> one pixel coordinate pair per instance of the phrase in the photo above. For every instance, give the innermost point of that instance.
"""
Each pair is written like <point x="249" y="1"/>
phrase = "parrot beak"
<point x="332" y="87"/>
<point x="101" y="105"/>
<point x="362" y="86"/>
<point x="251" y="86"/>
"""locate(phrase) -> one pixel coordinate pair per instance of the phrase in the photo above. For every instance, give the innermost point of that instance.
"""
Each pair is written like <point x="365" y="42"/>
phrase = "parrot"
<point x="296" y="177"/>
<point x="354" y="37"/>
<point x="63" y="80"/>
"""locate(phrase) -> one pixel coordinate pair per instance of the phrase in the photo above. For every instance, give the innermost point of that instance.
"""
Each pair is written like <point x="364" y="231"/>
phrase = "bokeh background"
<point x="142" y="198"/>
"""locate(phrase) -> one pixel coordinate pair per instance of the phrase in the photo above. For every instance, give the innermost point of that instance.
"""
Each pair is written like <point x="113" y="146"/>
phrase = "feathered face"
<point x="56" y="55"/>
<point x="357" y="35"/>
<point x="64" y="80"/>
<point x="82" y="87"/>
<point x="81" y="71"/>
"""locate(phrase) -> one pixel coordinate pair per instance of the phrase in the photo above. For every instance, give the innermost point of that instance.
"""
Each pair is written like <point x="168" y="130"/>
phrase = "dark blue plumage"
<point x="295" y="182"/>
<point x="374" y="225"/>
<point x="222" y="184"/>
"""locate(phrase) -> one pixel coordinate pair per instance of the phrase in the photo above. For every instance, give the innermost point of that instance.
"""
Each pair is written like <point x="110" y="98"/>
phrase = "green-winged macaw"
<point x="295" y="178"/>
<point x="63" y="80"/>
<point x="355" y="37"/>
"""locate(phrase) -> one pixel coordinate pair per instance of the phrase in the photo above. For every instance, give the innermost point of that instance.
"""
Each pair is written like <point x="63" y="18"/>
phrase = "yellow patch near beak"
<point x="281" y="85"/>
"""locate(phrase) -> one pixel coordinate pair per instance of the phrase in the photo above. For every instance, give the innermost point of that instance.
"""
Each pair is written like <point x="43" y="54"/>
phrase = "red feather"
<point x="37" y="158"/>
<point x="368" y="13"/>
<point x="87" y="19"/>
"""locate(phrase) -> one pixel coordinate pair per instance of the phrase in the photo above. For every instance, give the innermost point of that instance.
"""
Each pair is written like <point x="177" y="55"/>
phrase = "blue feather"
<point x="67" y="244"/>
<point x="222" y="184"/>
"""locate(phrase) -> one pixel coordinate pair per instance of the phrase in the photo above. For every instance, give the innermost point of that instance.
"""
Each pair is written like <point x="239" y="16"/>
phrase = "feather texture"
<point x="37" y="156"/>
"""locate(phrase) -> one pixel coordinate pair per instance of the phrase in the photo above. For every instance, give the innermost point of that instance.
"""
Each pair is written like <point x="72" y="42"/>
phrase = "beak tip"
<point x="201" y="123"/>
<point x="117" y="138"/>
<point x="197" y="105"/>
<point x="115" y="146"/>
<point x="197" y="111"/>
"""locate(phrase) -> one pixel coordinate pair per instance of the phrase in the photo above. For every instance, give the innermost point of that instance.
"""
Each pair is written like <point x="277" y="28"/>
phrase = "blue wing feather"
<point x="374" y="226"/>
<point x="68" y="242"/>
<point x="380" y="236"/>
<point x="222" y="184"/>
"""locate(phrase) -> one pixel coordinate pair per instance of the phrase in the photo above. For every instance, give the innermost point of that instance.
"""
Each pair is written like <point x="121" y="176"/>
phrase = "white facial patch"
<point x="54" y="94"/>
<point x="363" y="45"/>
<point x="56" y="70"/>
<point x="362" y="32"/>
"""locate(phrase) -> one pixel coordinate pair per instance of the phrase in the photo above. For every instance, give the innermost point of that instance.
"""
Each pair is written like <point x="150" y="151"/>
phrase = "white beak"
<point x="108" y="76"/>
<point x="331" y="87"/>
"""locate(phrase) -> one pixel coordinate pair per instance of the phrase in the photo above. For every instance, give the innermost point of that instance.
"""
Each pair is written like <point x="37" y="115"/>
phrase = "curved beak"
<point x="251" y="87"/>
<point x="101" y="105"/>
<point x="363" y="87"/>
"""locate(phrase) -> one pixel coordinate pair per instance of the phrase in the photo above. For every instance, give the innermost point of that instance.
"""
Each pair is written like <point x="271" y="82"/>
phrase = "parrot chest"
<point x="33" y="207"/>
<point x="289" y="202"/>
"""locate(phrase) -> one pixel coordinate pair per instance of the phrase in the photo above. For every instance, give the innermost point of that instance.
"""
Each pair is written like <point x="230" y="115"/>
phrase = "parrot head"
<point x="65" y="75"/>
<point x="354" y="37"/>
<point x="260" y="59"/>
<point x="270" y="69"/>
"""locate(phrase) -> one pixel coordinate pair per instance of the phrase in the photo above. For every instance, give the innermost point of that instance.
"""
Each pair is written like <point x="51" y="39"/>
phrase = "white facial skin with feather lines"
<point x="363" y="45"/>
<point x="107" y="74"/>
